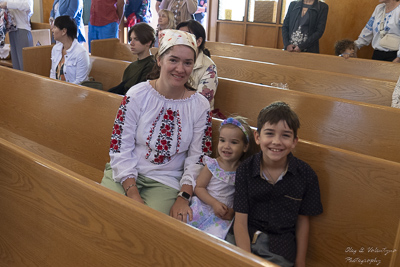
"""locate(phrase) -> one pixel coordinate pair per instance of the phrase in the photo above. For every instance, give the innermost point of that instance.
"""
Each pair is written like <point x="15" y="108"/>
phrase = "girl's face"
<point x="176" y="65"/>
<point x="231" y="145"/>
<point x="163" y="19"/>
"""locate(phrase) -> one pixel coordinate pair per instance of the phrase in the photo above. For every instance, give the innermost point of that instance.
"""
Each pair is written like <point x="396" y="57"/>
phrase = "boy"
<point x="275" y="192"/>
<point x="345" y="48"/>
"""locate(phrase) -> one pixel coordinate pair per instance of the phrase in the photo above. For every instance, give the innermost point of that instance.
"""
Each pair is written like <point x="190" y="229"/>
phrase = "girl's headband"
<point x="237" y="123"/>
<point x="171" y="38"/>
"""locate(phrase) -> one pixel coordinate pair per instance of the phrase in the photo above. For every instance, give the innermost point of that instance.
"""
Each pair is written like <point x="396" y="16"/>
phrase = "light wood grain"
<point x="356" y="66"/>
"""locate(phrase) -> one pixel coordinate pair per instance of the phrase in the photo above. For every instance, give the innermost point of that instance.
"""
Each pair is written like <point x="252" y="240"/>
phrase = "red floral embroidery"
<point x="206" y="142"/>
<point x="162" y="153"/>
<point x="115" y="143"/>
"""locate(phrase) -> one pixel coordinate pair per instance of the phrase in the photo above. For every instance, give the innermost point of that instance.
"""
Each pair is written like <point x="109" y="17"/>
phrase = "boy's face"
<point x="350" y="52"/>
<point x="276" y="142"/>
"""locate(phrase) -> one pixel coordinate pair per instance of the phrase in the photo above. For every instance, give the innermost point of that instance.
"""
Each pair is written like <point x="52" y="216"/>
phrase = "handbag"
<point x="388" y="40"/>
<point x="92" y="84"/>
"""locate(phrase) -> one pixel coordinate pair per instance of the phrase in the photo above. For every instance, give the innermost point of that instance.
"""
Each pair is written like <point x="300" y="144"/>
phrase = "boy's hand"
<point x="220" y="209"/>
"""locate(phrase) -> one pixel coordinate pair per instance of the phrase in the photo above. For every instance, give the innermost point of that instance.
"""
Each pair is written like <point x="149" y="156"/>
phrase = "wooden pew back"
<point x="52" y="216"/>
<point x="355" y="191"/>
<point x="344" y="86"/>
<point x="58" y="120"/>
<point x="367" y="129"/>
<point x="374" y="69"/>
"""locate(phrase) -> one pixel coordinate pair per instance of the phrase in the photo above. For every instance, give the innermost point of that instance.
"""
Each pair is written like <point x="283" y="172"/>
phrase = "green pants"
<point x="154" y="194"/>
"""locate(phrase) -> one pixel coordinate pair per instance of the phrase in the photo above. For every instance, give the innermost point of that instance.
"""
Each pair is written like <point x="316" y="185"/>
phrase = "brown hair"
<point x="342" y="45"/>
<point x="276" y="112"/>
<point x="144" y="32"/>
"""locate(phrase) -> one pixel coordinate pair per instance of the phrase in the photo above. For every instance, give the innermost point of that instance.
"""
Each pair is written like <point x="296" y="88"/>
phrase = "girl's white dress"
<point x="222" y="188"/>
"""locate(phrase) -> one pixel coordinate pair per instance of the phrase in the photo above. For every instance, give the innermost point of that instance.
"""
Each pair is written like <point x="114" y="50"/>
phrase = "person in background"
<point x="204" y="76"/>
<point x="161" y="133"/>
<point x="304" y="25"/>
<point x="183" y="9"/>
<point x="165" y="21"/>
<point x="105" y="16"/>
<point x="69" y="59"/>
<point x="141" y="38"/>
<point x="137" y="11"/>
<point x="384" y="21"/>
<point x="345" y="48"/>
<point x="21" y="10"/>
<point x="72" y="8"/>
<point x="200" y="13"/>
<point x="275" y="192"/>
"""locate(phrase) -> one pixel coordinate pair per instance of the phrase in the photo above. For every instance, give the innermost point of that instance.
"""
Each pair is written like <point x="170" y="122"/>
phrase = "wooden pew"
<point x="337" y="122"/>
<point x="52" y="216"/>
<point x="327" y="83"/>
<point x="355" y="189"/>
<point x="344" y="86"/>
<point x="77" y="143"/>
<point x="108" y="72"/>
<point x="374" y="69"/>
<point x="366" y="129"/>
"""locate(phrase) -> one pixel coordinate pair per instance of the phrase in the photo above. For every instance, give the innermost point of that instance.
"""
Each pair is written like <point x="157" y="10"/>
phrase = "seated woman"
<point x="161" y="133"/>
<point x="69" y="59"/>
<point x="204" y="76"/>
<point x="165" y="21"/>
<point x="141" y="38"/>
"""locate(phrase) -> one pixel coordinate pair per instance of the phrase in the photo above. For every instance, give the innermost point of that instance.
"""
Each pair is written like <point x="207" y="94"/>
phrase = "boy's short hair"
<point x="144" y="32"/>
<point x="277" y="112"/>
<point x="342" y="45"/>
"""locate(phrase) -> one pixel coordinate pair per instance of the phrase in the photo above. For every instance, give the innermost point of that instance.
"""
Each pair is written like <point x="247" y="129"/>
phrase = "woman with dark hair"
<point x="304" y="25"/>
<point x="204" y="75"/>
<point x="161" y="133"/>
<point x="141" y="38"/>
<point x="383" y="23"/>
<point x="69" y="59"/>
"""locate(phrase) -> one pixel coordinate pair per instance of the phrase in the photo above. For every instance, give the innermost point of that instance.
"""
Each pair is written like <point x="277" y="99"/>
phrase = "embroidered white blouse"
<point x="371" y="31"/>
<point x="162" y="139"/>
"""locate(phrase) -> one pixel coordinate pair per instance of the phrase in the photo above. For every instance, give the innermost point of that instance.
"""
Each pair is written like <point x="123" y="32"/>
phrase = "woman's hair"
<point x="171" y="18"/>
<point x="252" y="147"/>
<point x="342" y="45"/>
<point x="66" y="22"/>
<point x="144" y="32"/>
<point x="197" y="29"/>
<point x="155" y="72"/>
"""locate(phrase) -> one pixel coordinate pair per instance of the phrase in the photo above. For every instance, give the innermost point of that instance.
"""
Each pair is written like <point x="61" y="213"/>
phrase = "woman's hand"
<point x="229" y="215"/>
<point x="297" y="49"/>
<point x="180" y="210"/>
<point x="396" y="60"/>
<point x="290" y="48"/>
<point x="133" y="193"/>
<point x="220" y="209"/>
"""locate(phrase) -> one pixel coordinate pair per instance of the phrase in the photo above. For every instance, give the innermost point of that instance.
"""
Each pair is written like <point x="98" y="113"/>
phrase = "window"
<point x="262" y="11"/>
<point x="231" y="10"/>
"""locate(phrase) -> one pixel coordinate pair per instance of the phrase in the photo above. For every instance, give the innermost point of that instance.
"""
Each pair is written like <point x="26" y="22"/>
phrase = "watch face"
<point x="185" y="195"/>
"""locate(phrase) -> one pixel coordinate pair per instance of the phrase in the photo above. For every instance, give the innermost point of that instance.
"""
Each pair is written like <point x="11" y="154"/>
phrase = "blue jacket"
<point x="74" y="9"/>
<point x="318" y="15"/>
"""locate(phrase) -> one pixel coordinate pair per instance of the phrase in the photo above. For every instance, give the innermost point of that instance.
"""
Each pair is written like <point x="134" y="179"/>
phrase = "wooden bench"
<point x="355" y="189"/>
<point x="52" y="216"/>
<point x="327" y="83"/>
<point x="336" y="122"/>
<point x="108" y="72"/>
<point x="366" y="129"/>
<point x="344" y="86"/>
<point x="374" y="69"/>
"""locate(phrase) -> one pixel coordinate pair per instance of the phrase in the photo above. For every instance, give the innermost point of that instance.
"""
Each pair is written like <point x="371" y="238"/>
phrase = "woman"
<point x="22" y="11"/>
<point x="161" y="132"/>
<point x="204" y="76"/>
<point x="304" y="25"/>
<point x="384" y="21"/>
<point x="183" y="9"/>
<point x="69" y="59"/>
<point x="141" y="38"/>
<point x="165" y="21"/>
<point x="72" y="8"/>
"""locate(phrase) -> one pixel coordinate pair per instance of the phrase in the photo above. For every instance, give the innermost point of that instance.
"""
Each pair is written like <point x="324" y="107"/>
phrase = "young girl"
<point x="165" y="21"/>
<point x="215" y="185"/>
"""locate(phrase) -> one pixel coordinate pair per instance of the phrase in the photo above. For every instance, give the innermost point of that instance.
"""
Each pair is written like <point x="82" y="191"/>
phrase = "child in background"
<point x="165" y="21"/>
<point x="275" y="193"/>
<point x="215" y="185"/>
<point x="345" y="48"/>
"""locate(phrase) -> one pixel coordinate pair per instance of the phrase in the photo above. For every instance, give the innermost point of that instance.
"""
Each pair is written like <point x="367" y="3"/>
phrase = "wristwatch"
<point x="184" y="195"/>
